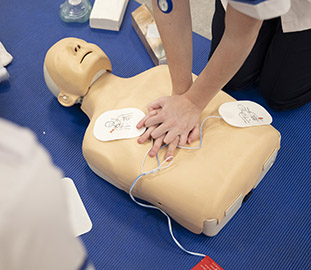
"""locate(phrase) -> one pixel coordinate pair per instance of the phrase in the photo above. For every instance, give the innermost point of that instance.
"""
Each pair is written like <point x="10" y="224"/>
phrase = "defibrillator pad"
<point x="118" y="124"/>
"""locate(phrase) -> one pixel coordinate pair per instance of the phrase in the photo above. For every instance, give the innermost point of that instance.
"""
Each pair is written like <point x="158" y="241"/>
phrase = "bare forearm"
<point x="239" y="37"/>
<point x="176" y="34"/>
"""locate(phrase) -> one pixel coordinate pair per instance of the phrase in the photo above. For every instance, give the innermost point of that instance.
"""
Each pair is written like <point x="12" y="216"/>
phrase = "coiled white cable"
<point x="160" y="167"/>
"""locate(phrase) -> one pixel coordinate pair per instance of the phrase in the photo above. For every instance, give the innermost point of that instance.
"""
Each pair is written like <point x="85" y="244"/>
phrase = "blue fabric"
<point x="271" y="231"/>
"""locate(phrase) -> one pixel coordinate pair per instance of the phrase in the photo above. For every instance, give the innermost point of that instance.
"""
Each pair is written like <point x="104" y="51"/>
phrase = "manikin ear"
<point x="67" y="100"/>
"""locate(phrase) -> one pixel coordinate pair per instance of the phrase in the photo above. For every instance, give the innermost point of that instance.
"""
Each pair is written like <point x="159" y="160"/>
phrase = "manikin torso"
<point x="200" y="184"/>
<point x="197" y="177"/>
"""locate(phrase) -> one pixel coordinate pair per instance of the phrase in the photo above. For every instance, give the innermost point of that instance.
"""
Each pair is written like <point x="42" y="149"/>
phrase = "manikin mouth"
<point x="85" y="56"/>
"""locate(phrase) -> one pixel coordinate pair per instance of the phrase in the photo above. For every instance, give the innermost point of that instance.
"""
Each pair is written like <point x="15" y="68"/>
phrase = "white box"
<point x="108" y="14"/>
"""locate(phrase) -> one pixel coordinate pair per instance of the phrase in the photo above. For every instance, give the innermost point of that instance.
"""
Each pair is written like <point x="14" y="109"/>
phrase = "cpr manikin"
<point x="203" y="188"/>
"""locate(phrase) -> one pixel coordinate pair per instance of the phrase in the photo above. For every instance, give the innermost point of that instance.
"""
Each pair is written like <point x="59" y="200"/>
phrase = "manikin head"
<point x="71" y="66"/>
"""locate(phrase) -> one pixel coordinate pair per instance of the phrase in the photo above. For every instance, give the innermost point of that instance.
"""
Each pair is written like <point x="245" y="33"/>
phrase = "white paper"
<point x="5" y="57"/>
<point x="78" y="216"/>
<point x="4" y="75"/>
<point x="152" y="31"/>
<point x="118" y="124"/>
<point x="244" y="114"/>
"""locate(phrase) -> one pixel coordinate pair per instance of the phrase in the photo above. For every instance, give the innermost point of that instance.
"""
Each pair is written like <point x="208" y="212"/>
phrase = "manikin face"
<point x="72" y="64"/>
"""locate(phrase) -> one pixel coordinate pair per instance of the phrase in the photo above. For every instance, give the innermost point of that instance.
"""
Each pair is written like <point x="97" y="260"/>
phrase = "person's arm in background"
<point x="178" y="114"/>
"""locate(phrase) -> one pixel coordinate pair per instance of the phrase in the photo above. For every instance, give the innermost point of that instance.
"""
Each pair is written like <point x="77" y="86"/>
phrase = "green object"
<point x="75" y="11"/>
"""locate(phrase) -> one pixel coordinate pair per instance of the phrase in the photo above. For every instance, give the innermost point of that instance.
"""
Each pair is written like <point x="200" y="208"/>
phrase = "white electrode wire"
<point x="160" y="167"/>
<point x="168" y="219"/>
<point x="201" y="127"/>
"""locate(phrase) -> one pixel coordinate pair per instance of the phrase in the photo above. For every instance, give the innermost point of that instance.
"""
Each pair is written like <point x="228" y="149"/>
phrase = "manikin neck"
<point x="91" y="98"/>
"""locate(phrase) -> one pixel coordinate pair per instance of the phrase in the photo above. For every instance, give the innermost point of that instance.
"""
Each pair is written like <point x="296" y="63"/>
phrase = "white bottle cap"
<point x="74" y="2"/>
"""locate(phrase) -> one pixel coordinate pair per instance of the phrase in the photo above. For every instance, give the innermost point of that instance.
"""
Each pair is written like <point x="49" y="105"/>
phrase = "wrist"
<point x="181" y="88"/>
<point x="200" y="104"/>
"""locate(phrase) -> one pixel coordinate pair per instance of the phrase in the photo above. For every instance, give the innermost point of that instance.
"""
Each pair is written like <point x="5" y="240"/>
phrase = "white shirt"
<point x="298" y="18"/>
<point x="35" y="231"/>
<point x="295" y="14"/>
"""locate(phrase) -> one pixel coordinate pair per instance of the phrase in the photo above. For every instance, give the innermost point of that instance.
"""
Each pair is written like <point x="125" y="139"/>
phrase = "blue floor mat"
<point x="271" y="231"/>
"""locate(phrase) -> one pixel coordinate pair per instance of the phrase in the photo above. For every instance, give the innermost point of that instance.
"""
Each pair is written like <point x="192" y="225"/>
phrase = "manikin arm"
<point x="178" y="114"/>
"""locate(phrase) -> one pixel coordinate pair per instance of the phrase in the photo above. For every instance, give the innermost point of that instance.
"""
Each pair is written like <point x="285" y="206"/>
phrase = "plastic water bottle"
<point x="75" y="11"/>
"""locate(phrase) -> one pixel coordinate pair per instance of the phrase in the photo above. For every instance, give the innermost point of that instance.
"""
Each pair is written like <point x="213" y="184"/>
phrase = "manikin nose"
<point x="77" y="48"/>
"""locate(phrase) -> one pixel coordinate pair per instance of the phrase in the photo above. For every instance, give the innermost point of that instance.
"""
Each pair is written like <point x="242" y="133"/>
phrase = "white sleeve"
<point x="262" y="9"/>
<point x="35" y="231"/>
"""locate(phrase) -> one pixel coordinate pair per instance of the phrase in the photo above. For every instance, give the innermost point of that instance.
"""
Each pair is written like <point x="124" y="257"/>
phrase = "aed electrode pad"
<point x="244" y="114"/>
<point x="118" y="124"/>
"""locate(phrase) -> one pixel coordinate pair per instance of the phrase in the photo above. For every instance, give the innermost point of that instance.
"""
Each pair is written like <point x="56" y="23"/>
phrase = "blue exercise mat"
<point x="271" y="231"/>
